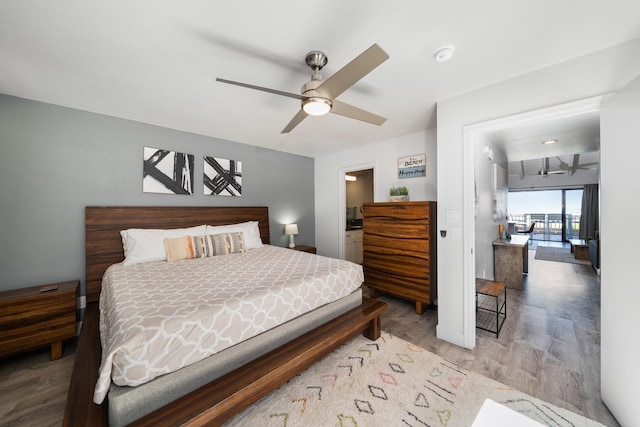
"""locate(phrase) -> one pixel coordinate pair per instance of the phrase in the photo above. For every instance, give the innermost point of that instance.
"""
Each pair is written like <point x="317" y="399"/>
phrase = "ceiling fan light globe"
<point x="316" y="106"/>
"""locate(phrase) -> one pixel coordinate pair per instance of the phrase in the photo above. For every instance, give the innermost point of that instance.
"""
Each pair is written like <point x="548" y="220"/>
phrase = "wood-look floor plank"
<point x="33" y="388"/>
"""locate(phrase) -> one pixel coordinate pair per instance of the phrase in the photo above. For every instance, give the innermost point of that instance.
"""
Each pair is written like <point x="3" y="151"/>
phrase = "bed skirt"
<point x="127" y="404"/>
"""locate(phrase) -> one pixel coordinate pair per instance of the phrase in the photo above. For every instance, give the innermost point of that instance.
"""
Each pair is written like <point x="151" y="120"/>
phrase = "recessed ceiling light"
<point x="550" y="141"/>
<point x="444" y="53"/>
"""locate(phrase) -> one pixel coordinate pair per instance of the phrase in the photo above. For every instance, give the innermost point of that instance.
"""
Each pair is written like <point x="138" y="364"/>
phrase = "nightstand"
<point x="37" y="316"/>
<point x="305" y="248"/>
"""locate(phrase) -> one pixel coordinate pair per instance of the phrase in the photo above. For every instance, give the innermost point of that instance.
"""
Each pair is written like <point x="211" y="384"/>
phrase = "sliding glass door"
<point x="572" y="207"/>
<point x="556" y="213"/>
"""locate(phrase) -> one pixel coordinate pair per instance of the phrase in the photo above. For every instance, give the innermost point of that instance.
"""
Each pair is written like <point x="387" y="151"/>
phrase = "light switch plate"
<point x="453" y="215"/>
<point x="456" y="232"/>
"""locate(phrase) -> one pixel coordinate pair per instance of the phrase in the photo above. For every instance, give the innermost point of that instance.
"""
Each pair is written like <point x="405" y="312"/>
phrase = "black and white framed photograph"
<point x="222" y="177"/>
<point x="167" y="172"/>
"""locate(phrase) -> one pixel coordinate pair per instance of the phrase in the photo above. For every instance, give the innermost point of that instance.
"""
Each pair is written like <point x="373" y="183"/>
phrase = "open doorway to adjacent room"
<point x="358" y="190"/>
<point x="550" y="148"/>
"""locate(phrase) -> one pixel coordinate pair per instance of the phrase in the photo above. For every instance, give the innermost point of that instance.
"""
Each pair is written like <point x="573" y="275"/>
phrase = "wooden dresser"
<point x="37" y="316"/>
<point x="400" y="250"/>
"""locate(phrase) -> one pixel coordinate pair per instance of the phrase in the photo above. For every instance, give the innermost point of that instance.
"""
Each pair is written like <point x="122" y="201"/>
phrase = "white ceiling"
<point x="156" y="61"/>
<point x="577" y="134"/>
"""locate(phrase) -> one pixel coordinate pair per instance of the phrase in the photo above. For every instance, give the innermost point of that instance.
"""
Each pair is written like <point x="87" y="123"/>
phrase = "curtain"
<point x="589" y="216"/>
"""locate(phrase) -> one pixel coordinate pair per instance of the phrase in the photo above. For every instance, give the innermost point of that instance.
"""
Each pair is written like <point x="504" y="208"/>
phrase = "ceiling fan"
<point x="545" y="169"/>
<point x="318" y="97"/>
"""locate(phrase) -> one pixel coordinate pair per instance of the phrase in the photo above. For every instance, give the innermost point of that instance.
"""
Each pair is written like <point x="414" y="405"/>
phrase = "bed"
<point x="281" y="355"/>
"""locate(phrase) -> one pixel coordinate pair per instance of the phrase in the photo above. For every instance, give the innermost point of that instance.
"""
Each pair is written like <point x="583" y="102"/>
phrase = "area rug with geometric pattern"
<point x="390" y="382"/>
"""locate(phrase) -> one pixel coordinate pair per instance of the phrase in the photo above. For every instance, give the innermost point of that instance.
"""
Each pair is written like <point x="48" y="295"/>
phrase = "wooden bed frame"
<point x="221" y="399"/>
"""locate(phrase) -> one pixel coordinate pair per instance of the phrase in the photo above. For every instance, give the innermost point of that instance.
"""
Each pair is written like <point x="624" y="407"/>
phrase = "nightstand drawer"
<point x="305" y="248"/>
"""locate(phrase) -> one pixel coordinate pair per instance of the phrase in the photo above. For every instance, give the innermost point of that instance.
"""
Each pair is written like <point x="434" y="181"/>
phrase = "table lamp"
<point x="291" y="230"/>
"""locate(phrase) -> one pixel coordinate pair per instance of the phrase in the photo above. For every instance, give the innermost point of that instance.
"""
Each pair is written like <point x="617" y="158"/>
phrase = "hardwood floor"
<point x="33" y="388"/>
<point x="549" y="348"/>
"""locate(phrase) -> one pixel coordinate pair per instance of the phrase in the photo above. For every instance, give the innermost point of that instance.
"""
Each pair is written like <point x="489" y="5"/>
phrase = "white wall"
<point x="383" y="156"/>
<point x="598" y="73"/>
<point x="486" y="227"/>
<point x="620" y="204"/>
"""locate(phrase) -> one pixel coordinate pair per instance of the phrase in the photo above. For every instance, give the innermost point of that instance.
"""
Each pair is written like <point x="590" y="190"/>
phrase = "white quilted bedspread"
<point x="158" y="317"/>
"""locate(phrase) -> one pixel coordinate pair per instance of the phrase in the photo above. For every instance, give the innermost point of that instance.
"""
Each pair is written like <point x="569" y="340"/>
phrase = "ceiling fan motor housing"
<point x="315" y="98"/>
<point x="309" y="89"/>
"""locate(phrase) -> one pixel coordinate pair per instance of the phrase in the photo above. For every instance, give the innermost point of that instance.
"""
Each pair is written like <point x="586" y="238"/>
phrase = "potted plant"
<point x="398" y="194"/>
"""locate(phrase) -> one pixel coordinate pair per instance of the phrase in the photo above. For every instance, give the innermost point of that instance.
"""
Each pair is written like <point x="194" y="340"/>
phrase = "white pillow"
<point x="147" y="244"/>
<point x="250" y="229"/>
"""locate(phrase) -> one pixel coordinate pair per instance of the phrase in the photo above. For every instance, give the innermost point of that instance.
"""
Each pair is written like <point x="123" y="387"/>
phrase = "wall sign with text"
<point x="412" y="166"/>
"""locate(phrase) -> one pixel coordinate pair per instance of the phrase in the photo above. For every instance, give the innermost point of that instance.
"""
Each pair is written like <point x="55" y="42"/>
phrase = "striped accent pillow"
<point x="209" y="245"/>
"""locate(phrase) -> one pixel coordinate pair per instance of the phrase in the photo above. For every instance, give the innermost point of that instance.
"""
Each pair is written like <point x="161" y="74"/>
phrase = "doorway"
<point x="476" y="133"/>
<point x="358" y="190"/>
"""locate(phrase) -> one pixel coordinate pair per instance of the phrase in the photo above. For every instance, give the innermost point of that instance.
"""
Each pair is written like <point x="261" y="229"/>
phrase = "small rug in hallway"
<point x="548" y="253"/>
<point x="391" y="382"/>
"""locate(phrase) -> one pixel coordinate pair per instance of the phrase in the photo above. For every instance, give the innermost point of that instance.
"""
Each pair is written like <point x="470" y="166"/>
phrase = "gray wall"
<point x="55" y="161"/>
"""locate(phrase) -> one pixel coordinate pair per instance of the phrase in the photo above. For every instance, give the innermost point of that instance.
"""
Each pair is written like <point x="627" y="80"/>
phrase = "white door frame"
<point x="470" y="132"/>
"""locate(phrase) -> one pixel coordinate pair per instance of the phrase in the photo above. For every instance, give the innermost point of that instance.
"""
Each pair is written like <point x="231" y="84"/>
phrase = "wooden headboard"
<point x="103" y="243"/>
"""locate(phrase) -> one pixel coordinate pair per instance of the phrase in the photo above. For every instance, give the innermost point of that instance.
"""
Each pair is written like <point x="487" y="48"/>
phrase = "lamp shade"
<point x="291" y="229"/>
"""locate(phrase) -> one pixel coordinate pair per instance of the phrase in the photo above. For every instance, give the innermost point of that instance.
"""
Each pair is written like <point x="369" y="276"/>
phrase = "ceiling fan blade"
<point x="264" y="89"/>
<point x="300" y="116"/>
<point x="562" y="164"/>
<point x="352" y="112"/>
<point x="575" y="164"/>
<point x="555" y="172"/>
<point x="588" y="165"/>
<point x="348" y="75"/>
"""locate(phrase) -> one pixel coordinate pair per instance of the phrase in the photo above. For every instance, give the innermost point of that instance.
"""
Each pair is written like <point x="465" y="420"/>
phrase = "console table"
<point x="511" y="260"/>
